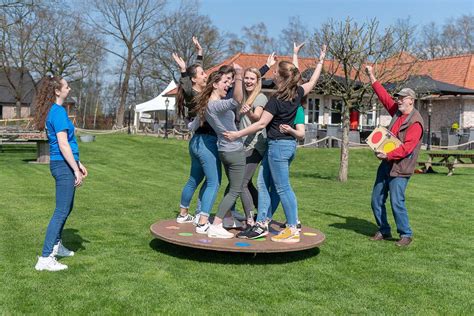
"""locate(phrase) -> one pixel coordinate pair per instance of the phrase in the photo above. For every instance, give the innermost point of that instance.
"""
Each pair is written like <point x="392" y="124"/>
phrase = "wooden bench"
<point x="427" y="166"/>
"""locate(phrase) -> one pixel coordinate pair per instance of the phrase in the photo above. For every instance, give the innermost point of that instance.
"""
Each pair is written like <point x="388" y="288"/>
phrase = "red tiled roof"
<point x="457" y="70"/>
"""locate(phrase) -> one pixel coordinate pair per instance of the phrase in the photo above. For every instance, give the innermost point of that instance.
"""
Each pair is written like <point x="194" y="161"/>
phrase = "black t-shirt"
<point x="284" y="112"/>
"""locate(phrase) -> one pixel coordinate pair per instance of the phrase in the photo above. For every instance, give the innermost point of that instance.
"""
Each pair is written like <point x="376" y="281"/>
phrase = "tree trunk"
<point x="84" y="110"/>
<point x="344" y="161"/>
<point x="95" y="112"/>
<point x="18" y="110"/>
<point x="124" y="91"/>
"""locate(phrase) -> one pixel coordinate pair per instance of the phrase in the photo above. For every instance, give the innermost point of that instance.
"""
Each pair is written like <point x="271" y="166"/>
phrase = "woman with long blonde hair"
<point x="255" y="145"/>
<point x="281" y="109"/>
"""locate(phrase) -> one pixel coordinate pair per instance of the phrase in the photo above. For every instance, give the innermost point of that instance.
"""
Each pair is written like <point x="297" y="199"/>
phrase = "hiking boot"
<point x="287" y="235"/>
<point x="182" y="219"/>
<point x="49" y="264"/>
<point x="404" y="241"/>
<point x="379" y="236"/>
<point x="253" y="232"/>
<point x="61" y="251"/>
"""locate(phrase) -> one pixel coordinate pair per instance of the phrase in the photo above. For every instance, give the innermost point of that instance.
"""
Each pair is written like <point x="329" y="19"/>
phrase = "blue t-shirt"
<point x="57" y="121"/>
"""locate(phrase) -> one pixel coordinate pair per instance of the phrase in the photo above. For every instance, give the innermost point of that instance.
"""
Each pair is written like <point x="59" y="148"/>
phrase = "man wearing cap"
<point x="398" y="165"/>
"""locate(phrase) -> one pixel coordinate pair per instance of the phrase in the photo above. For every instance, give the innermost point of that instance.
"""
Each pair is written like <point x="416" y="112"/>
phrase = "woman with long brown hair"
<point x="281" y="109"/>
<point x="202" y="146"/>
<point x="67" y="170"/>
<point x="212" y="107"/>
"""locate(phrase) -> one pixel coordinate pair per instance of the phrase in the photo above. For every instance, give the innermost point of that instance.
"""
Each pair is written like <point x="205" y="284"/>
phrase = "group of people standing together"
<point x="235" y="125"/>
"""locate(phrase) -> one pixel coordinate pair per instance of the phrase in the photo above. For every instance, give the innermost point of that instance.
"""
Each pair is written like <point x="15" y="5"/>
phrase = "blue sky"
<point x="232" y="15"/>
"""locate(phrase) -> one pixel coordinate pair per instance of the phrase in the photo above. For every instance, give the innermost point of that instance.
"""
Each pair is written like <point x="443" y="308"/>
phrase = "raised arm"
<point x="199" y="59"/>
<point x="185" y="80"/>
<point x="238" y="89"/>
<point x="384" y="97"/>
<point x="370" y="72"/>
<point x="308" y="86"/>
<point x="270" y="62"/>
<point x="296" y="49"/>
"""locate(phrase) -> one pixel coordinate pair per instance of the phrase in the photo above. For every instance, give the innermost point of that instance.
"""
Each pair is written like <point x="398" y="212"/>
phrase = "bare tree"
<point x="234" y="44"/>
<point x="19" y="35"/>
<point x="129" y="23"/>
<point x="352" y="45"/>
<point x="455" y="37"/>
<point x="294" y="32"/>
<point x="66" y="47"/>
<point x="257" y="39"/>
<point x="184" y="24"/>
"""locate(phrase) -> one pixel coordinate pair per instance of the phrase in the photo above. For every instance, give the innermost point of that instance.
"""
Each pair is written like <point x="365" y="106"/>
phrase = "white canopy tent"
<point x="156" y="104"/>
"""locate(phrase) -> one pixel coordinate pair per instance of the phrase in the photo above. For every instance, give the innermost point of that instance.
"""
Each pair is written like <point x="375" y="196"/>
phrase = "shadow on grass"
<point x="360" y="226"/>
<point x="314" y="175"/>
<point x="210" y="256"/>
<point x="72" y="240"/>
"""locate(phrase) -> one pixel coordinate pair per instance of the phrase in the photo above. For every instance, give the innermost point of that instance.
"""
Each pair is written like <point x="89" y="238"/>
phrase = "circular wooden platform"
<point x="185" y="235"/>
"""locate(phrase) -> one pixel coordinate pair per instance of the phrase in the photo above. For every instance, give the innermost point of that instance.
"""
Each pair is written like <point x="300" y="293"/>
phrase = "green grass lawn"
<point x="119" y="268"/>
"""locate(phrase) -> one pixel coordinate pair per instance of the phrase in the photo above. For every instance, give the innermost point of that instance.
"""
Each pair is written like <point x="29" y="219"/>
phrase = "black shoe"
<point x="298" y="226"/>
<point x="253" y="232"/>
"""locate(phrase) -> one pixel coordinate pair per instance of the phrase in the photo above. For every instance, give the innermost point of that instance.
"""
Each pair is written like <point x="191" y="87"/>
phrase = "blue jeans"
<point x="64" y="177"/>
<point x="396" y="186"/>
<point x="205" y="162"/>
<point x="274" y="181"/>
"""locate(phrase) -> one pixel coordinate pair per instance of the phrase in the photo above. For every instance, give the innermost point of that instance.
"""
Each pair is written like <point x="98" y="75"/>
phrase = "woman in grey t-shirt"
<point x="218" y="112"/>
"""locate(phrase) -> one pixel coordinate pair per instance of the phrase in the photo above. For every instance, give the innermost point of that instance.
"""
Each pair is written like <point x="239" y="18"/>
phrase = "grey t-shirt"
<point x="221" y="117"/>
<point x="259" y="139"/>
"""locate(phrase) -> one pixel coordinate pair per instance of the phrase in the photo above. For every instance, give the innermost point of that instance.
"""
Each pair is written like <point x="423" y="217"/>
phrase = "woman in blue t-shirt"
<point x="67" y="170"/>
<point x="281" y="109"/>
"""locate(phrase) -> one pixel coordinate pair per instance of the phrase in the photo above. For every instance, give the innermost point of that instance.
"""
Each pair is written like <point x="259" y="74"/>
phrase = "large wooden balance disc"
<point x="185" y="235"/>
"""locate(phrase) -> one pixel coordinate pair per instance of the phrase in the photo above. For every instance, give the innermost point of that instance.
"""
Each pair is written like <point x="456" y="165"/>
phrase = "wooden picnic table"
<point x="28" y="137"/>
<point x="449" y="160"/>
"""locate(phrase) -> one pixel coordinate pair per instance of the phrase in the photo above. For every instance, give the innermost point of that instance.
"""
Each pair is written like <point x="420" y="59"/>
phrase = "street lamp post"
<point x="167" y="104"/>
<point x="129" y="117"/>
<point x="430" y="106"/>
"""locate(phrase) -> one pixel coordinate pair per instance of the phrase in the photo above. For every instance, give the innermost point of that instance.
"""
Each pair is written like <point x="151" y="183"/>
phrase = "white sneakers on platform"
<point x="217" y="231"/>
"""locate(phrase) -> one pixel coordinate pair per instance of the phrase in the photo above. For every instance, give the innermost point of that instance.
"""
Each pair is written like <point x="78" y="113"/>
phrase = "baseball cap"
<point x="406" y="92"/>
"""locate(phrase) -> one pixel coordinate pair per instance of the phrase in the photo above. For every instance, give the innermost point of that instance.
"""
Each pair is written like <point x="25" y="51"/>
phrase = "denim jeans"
<point x="64" y="178"/>
<point x="274" y="181"/>
<point x="396" y="186"/>
<point x="205" y="162"/>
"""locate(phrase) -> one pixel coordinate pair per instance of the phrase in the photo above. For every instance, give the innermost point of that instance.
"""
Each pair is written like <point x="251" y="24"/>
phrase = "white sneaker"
<point x="202" y="229"/>
<point x="196" y="219"/>
<point x="230" y="222"/>
<point x="49" y="264"/>
<point x="217" y="231"/>
<point x="238" y="216"/>
<point x="61" y="251"/>
<point x="181" y="219"/>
